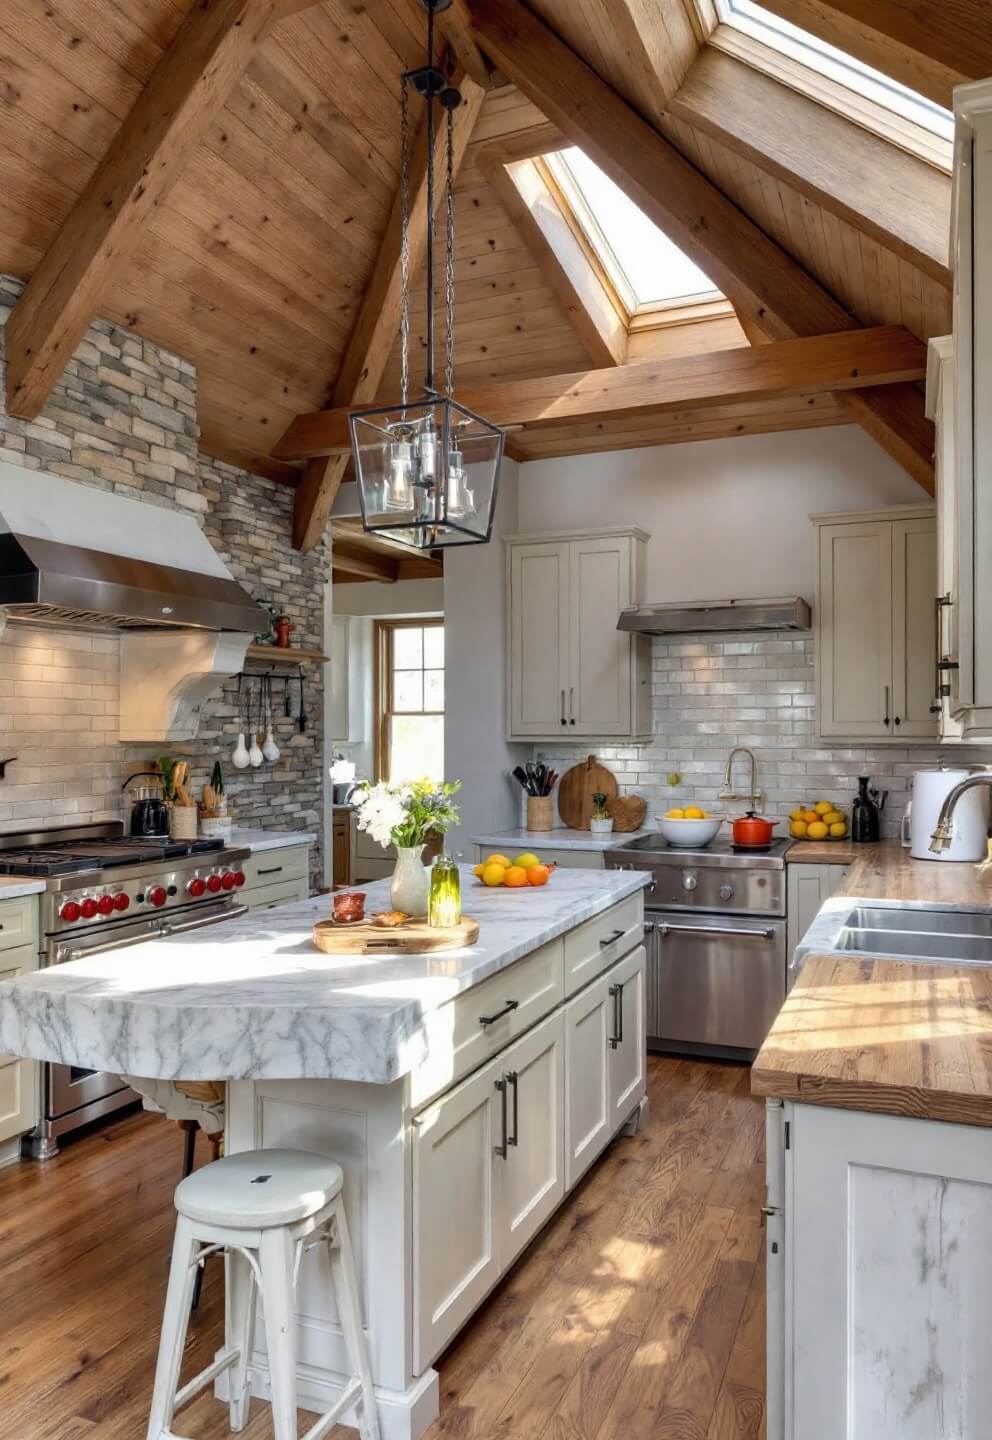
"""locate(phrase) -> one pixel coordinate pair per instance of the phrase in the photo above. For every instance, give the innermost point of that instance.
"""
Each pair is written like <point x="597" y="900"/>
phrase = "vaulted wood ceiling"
<point x="254" y="260"/>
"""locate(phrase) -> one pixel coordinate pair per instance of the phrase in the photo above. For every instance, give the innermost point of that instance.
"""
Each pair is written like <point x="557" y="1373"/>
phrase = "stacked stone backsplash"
<point x="123" y="418"/>
<point x="711" y="693"/>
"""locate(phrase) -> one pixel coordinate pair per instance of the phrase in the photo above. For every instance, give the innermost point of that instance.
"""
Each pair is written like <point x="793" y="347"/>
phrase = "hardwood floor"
<point x="637" y="1315"/>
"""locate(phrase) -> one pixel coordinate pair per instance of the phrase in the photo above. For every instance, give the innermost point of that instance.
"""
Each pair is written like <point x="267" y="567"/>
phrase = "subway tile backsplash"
<point x="712" y="693"/>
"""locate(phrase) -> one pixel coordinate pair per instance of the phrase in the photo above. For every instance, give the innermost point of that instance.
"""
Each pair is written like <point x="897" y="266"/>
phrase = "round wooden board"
<point x="414" y="938"/>
<point x="576" y="789"/>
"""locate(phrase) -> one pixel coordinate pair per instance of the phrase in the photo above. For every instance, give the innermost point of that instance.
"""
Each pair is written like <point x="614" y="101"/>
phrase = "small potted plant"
<point x="601" y="822"/>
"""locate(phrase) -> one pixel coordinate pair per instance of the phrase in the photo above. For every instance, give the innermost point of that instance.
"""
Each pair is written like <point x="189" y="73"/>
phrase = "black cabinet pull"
<point x="511" y="1079"/>
<point x="616" y="992"/>
<point x="611" y="939"/>
<point x="500" y="1150"/>
<point x="272" y="870"/>
<point x="485" y="1020"/>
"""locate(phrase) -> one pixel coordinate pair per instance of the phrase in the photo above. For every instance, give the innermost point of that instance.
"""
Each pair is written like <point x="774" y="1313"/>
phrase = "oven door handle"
<point x="65" y="953"/>
<point x="725" y="930"/>
<point x="202" y="921"/>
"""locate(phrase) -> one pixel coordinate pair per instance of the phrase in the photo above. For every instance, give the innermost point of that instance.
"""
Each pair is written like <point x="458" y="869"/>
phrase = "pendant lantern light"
<point x="428" y="468"/>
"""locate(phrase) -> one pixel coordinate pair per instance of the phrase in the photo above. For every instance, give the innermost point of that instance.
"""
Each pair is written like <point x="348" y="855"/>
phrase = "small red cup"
<point x="349" y="906"/>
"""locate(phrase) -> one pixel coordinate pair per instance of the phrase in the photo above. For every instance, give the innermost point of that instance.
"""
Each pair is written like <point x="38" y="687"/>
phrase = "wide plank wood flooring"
<point x="637" y="1315"/>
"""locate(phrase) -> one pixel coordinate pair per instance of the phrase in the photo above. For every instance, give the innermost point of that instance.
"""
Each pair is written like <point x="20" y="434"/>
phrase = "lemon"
<point x="817" y="830"/>
<point x="693" y="812"/>
<point x="838" y="829"/>
<point x="498" y="860"/>
<point x="833" y="817"/>
<point x="477" y="871"/>
<point x="798" y="829"/>
<point x="822" y="807"/>
<point x="493" y="873"/>
<point x="527" y="861"/>
<point x="799" y="814"/>
<point x="675" y="814"/>
<point x="811" y="816"/>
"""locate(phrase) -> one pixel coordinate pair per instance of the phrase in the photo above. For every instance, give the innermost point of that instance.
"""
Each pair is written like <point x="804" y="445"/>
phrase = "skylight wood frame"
<point x="747" y="46"/>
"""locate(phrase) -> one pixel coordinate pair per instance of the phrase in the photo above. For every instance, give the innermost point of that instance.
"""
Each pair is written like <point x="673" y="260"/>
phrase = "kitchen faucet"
<point x="727" y="793"/>
<point x="941" y="838"/>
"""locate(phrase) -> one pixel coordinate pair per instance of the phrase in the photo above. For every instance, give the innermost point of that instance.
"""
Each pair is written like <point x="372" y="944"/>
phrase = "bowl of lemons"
<point x="822" y="821"/>
<point x="527" y="869"/>
<point x="688" y="826"/>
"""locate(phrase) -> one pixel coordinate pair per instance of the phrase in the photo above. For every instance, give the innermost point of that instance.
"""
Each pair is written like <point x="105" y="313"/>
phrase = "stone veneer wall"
<point x="123" y="418"/>
<point x="712" y="693"/>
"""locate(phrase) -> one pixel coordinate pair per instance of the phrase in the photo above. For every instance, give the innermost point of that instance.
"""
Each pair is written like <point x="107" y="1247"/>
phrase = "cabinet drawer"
<point x="591" y="947"/>
<point x="264" y="897"/>
<point x="19" y="922"/>
<point x="276" y="867"/>
<point x="511" y="1002"/>
<point x="20" y="961"/>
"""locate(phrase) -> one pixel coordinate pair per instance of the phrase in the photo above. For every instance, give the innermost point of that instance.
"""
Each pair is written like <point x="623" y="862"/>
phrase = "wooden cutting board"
<point x="578" y="786"/>
<point x="414" y="938"/>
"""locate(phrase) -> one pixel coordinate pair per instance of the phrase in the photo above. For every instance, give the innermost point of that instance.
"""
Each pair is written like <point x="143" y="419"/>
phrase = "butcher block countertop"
<point x="886" y="872"/>
<point x="827" y="852"/>
<point x="889" y="1036"/>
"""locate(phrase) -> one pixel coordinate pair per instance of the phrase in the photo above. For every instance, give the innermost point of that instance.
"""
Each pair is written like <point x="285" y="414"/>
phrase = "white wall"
<point x="406" y="597"/>
<point x="727" y="518"/>
<point x="475" y="668"/>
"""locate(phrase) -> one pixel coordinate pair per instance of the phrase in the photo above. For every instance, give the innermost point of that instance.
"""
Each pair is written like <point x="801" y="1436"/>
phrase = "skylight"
<point x="837" y="65"/>
<point x="644" y="266"/>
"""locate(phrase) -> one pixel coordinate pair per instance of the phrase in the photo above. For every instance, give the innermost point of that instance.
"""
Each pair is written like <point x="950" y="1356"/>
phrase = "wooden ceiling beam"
<point x="851" y="359"/>
<point x="364" y="565"/>
<point x="883" y="191"/>
<point x="186" y="90"/>
<point x="928" y="46"/>
<point x="764" y="284"/>
<point x="378" y="322"/>
<point x="561" y="256"/>
<point x="455" y="25"/>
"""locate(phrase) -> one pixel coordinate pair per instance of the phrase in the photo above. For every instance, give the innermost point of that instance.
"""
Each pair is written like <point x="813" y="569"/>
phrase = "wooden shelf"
<point x="291" y="655"/>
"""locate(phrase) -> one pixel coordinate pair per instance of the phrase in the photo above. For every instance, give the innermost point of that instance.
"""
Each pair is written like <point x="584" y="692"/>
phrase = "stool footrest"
<point x="329" y="1418"/>
<point x="201" y="1381"/>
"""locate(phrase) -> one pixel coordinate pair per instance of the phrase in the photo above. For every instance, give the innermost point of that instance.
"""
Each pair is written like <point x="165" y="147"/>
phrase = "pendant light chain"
<point x="405" y="241"/>
<point x="449" y="269"/>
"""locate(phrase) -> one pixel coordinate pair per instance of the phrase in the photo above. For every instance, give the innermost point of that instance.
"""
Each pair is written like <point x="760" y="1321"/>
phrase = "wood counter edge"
<point x="910" y="1102"/>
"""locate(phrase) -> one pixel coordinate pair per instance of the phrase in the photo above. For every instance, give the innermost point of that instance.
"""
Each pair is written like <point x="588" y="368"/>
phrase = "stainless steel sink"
<point x="929" y="935"/>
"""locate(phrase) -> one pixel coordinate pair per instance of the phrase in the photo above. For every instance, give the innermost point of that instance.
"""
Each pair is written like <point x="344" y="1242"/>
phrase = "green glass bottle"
<point x="445" y="908"/>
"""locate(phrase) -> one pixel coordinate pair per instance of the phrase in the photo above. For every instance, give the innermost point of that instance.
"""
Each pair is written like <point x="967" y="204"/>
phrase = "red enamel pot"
<point x="752" y="829"/>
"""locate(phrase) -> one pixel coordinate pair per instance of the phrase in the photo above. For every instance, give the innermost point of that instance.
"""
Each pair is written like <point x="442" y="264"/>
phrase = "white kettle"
<point x="969" y="824"/>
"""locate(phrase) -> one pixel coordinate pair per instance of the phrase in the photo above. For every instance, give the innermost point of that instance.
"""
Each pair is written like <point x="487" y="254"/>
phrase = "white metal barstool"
<point x="263" y="1208"/>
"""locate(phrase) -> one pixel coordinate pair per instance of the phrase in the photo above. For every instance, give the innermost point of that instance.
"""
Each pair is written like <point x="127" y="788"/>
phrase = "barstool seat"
<point x="260" y="1188"/>
<point x="262" y="1209"/>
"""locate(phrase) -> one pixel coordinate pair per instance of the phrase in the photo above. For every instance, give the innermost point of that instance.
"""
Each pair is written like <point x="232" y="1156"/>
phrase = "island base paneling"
<point x="442" y="1197"/>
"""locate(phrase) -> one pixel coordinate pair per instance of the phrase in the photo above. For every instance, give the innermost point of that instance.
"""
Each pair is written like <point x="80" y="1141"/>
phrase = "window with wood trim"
<point x="410" y="700"/>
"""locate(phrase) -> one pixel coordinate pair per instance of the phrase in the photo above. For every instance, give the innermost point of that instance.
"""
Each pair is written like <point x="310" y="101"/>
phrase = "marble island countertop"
<point x="251" y="998"/>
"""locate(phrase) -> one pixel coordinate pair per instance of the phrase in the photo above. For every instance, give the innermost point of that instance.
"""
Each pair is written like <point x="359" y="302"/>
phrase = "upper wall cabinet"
<point x="875" y="628"/>
<point x="571" y="673"/>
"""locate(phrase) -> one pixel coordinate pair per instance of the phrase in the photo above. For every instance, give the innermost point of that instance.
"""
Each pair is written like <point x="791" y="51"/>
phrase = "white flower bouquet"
<point x="406" y="815"/>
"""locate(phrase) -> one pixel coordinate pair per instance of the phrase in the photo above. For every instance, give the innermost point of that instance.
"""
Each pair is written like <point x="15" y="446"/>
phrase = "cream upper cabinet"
<point x="571" y="672"/>
<point x="875" y="625"/>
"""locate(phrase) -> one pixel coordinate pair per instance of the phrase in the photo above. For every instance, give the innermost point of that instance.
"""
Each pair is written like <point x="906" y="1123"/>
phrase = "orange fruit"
<point x="538" y="875"/>
<point x="517" y="876"/>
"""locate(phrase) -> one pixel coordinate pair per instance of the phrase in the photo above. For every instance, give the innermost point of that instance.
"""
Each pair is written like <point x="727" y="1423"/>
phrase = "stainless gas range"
<point x="715" y="932"/>
<point x="105" y="891"/>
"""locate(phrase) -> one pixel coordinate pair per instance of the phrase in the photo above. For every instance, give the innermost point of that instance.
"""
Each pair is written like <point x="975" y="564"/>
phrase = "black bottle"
<point x="866" y="813"/>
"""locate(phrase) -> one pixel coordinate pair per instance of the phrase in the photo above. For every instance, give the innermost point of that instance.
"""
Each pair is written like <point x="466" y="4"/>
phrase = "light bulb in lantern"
<point x="461" y="501"/>
<point x="399" y="494"/>
<point x="427" y="451"/>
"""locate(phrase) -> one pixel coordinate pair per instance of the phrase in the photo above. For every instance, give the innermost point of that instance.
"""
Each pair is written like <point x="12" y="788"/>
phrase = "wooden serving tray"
<point x="413" y="938"/>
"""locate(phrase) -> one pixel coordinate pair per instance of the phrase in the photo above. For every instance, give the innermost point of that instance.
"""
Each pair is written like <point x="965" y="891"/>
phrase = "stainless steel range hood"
<point x="693" y="617"/>
<point x="74" y="555"/>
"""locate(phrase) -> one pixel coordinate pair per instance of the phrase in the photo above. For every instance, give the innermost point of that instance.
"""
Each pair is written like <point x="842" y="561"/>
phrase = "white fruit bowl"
<point x="690" y="833"/>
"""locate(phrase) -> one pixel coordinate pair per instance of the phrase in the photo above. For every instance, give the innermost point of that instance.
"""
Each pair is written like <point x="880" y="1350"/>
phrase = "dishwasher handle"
<point x="730" y="931"/>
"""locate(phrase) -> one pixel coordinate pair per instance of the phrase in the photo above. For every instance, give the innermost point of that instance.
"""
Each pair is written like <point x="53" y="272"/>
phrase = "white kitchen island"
<point x="463" y="1092"/>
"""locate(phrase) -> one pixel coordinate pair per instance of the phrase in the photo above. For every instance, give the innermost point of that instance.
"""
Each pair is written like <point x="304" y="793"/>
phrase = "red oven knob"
<point x="227" y="880"/>
<point x="157" y="896"/>
<point x="196" y="888"/>
<point x="239" y="878"/>
<point x="122" y="901"/>
<point x="105" y="904"/>
<point x="89" y="908"/>
<point x="70" y="912"/>
<point x="214" y="884"/>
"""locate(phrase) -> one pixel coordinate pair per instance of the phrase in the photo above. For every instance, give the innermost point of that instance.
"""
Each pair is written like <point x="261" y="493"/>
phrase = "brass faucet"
<point x="941" y="838"/>
<point x="728" y="793"/>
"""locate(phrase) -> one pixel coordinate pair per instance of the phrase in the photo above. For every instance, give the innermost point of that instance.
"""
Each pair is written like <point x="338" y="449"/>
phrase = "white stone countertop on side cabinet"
<point x="270" y="839"/>
<point x="515" y="841"/>
<point x="11" y="886"/>
<point x="251" y="998"/>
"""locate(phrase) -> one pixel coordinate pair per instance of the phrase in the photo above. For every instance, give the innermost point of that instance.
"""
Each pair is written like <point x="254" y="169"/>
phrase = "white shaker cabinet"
<point x="570" y="672"/>
<point x="19" y="1079"/>
<point x="875" y="624"/>
<point x="808" y="886"/>
<point x="880" y="1293"/>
